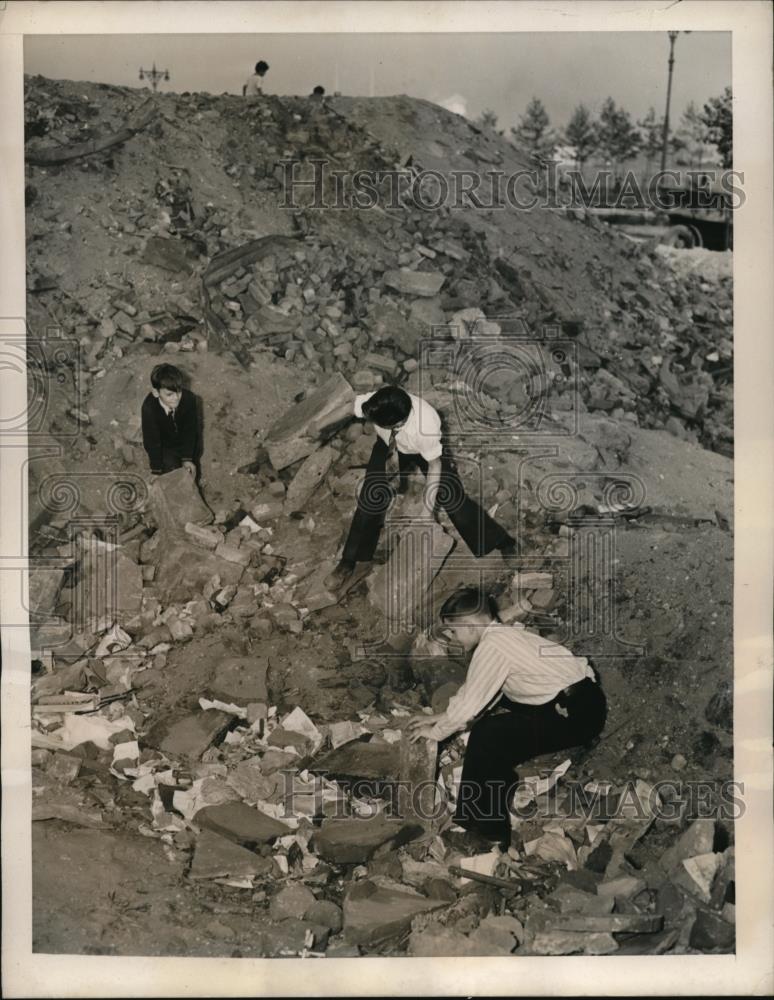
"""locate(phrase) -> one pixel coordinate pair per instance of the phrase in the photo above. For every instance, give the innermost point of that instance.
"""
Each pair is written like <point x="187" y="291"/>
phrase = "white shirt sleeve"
<point x="486" y="674"/>
<point x="429" y="433"/>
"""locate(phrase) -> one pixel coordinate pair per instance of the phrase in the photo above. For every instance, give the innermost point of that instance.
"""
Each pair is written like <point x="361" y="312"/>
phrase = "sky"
<point x="464" y="72"/>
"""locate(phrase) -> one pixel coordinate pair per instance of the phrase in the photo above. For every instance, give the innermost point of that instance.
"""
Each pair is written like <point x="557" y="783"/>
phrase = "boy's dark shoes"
<point x="340" y="575"/>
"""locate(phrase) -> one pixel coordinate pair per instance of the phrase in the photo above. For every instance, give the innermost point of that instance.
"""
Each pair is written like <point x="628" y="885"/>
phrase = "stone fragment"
<point x="217" y="857"/>
<point x="174" y="501"/>
<point x="309" y="476"/>
<point x="626" y="886"/>
<point x="613" y="923"/>
<point x="189" y="736"/>
<point x="355" y="840"/>
<point x="206" y="535"/>
<point x="328" y="914"/>
<point x="572" y="943"/>
<point x="251" y="783"/>
<point x="268" y="510"/>
<point x="699" y="874"/>
<point x="291" y="901"/>
<point x="710" y="932"/>
<point x="697" y="839"/>
<point x="110" y="585"/>
<point x="292" y="937"/>
<point x="184" y="568"/>
<point x="241" y="823"/>
<point x="532" y="580"/>
<point x="421" y="283"/>
<point x="381" y="362"/>
<point x="296" y="434"/>
<point x="373" y="914"/>
<point x="63" y="768"/>
<point x="417" y="789"/>
<point x="233" y="554"/>
<point x="439" y="941"/>
<point x="371" y="761"/>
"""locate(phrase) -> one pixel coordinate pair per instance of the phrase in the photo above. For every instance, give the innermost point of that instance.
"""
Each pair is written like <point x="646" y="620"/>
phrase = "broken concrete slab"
<point x="174" y="501"/>
<point x="169" y="254"/>
<point x="613" y="923"/>
<point x="326" y="913"/>
<point x="241" y="823"/>
<point x="710" y="932"/>
<point x="370" y="761"/>
<point x="208" y="536"/>
<point x="110" y="585"/>
<point x="354" y="840"/>
<point x="399" y="587"/>
<point x="190" y="735"/>
<point x="374" y="914"/>
<point x="419" y="283"/>
<point x="698" y="839"/>
<point x="309" y="476"/>
<point x="217" y="857"/>
<point x="297" y="433"/>
<point x="240" y="680"/>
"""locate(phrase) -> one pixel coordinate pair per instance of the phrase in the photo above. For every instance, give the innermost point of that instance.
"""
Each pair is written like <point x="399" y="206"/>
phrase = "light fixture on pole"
<point x="665" y="135"/>
<point x="154" y="75"/>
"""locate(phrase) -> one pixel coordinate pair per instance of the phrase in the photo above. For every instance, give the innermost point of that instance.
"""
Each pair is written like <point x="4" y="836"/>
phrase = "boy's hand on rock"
<point x="190" y="468"/>
<point x="420" y="727"/>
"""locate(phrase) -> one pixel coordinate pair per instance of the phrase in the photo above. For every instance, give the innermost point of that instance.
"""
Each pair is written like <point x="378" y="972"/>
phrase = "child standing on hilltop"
<point x="254" y="85"/>
<point x="170" y="427"/>
<point x="411" y="426"/>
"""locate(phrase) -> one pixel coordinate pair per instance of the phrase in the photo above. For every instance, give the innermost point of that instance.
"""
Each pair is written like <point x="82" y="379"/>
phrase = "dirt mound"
<point x="581" y="379"/>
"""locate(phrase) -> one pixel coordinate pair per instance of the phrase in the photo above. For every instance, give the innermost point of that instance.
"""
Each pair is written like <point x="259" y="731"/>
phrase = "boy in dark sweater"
<point x="170" y="432"/>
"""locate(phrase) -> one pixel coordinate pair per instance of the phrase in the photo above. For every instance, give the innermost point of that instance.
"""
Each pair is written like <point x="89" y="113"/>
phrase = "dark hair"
<point x="319" y="90"/>
<point x="388" y="406"/>
<point x="261" y="68"/>
<point x="167" y="377"/>
<point x="469" y="601"/>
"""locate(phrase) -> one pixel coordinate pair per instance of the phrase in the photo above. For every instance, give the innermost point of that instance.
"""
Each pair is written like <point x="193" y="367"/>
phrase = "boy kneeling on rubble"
<point x="411" y="426"/>
<point x="551" y="701"/>
<point x="170" y="424"/>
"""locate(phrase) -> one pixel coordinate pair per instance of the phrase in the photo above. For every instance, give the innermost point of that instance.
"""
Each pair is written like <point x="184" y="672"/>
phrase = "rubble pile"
<point x="197" y="688"/>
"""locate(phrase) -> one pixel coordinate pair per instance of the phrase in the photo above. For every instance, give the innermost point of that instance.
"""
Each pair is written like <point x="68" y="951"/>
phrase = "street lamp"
<point x="665" y="135"/>
<point x="154" y="75"/>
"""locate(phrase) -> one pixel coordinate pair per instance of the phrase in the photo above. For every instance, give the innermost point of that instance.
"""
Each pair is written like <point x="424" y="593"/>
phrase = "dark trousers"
<point x="501" y="740"/>
<point x="478" y="530"/>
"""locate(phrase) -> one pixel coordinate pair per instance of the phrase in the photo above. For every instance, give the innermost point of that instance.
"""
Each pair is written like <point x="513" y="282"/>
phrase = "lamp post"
<point x="665" y="135"/>
<point x="154" y="75"/>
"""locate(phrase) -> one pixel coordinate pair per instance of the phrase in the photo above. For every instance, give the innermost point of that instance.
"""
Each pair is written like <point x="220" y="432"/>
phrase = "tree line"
<point x="614" y="134"/>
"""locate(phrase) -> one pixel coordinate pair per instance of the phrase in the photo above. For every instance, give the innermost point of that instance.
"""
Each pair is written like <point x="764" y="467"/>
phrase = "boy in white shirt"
<point x="552" y="698"/>
<point x="410" y="425"/>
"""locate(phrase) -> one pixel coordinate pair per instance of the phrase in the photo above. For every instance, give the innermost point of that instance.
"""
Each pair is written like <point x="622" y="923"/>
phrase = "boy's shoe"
<point x="340" y="575"/>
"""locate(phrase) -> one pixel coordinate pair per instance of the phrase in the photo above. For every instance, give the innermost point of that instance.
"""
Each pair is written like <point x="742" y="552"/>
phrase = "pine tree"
<point x="717" y="115"/>
<point x="487" y="119"/>
<point x="581" y="134"/>
<point x="534" y="132"/>
<point x="617" y="133"/>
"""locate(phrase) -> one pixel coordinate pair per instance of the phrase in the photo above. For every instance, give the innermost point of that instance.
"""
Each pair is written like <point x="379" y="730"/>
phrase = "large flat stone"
<point x="573" y="943"/>
<point x="399" y="588"/>
<point x="44" y="587"/>
<point x="355" y="840"/>
<point x="174" y="501"/>
<point x="110" y="585"/>
<point x="296" y="434"/>
<point x="417" y="788"/>
<point x="189" y="736"/>
<point x="217" y="857"/>
<point x="371" y="761"/>
<point x="373" y="914"/>
<point x="424" y="283"/>
<point x="240" y="680"/>
<point x="241" y="823"/>
<point x="309" y="476"/>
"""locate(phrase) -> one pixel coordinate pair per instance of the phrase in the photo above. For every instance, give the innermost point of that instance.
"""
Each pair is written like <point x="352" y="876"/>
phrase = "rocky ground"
<point x="216" y="738"/>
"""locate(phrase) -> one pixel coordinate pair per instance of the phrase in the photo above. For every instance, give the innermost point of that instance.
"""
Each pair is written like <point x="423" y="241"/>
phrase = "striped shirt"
<point x="508" y="661"/>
